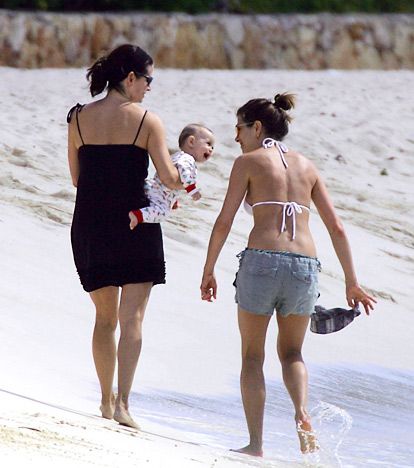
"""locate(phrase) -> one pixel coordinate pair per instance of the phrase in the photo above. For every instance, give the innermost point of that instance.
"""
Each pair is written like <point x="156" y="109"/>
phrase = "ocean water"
<point x="363" y="417"/>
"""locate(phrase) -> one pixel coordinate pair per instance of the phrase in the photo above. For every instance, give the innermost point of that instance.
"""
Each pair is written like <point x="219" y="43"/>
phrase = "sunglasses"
<point x="242" y="125"/>
<point x="143" y="75"/>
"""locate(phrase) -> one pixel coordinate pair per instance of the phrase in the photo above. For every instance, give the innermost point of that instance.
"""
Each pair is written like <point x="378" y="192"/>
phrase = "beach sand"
<point x="355" y="126"/>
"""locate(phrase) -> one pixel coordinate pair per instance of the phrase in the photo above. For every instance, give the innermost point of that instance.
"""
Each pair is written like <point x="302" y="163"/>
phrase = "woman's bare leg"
<point x="292" y="330"/>
<point x="134" y="299"/>
<point x="253" y="335"/>
<point x="103" y="344"/>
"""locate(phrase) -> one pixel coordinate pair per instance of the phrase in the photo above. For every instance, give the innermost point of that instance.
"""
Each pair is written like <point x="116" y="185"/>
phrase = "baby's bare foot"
<point x="123" y="417"/>
<point x="249" y="450"/>
<point x="108" y="408"/>
<point x="307" y="437"/>
<point x="134" y="220"/>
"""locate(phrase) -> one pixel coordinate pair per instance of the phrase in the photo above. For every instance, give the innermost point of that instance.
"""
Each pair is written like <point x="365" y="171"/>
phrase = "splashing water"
<point x="309" y="440"/>
<point x="331" y="424"/>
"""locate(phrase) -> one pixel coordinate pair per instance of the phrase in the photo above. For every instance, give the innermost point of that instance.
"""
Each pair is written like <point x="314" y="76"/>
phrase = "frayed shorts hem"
<point x="269" y="313"/>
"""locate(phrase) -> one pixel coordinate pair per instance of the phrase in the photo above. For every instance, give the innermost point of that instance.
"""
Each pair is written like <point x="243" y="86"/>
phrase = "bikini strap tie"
<point x="290" y="209"/>
<point x="271" y="142"/>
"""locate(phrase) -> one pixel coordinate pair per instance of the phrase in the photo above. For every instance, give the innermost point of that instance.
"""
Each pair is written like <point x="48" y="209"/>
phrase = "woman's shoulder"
<point x="303" y="166"/>
<point x="152" y="117"/>
<point x="243" y="163"/>
<point x="252" y="154"/>
<point x="255" y="157"/>
<point x="302" y="160"/>
<point x="76" y="108"/>
<point x="152" y="121"/>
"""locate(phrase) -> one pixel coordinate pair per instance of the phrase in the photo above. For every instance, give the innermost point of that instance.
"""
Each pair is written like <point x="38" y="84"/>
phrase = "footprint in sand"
<point x="64" y="195"/>
<point x="17" y="152"/>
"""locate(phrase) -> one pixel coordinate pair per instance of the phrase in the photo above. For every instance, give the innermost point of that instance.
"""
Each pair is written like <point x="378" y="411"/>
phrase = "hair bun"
<point x="284" y="101"/>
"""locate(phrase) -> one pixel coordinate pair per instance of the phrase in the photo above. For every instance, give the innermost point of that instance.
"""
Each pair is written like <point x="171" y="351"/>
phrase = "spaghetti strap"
<point x="139" y="128"/>
<point x="76" y="109"/>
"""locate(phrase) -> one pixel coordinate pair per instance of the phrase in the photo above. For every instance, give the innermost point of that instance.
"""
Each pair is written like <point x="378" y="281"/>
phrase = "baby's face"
<point x="203" y="145"/>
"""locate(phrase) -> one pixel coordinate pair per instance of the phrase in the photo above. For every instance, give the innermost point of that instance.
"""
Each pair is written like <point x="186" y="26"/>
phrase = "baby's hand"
<point x="196" y="196"/>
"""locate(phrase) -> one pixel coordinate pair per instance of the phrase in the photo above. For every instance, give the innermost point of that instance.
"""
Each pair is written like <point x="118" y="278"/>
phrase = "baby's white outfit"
<point x="162" y="199"/>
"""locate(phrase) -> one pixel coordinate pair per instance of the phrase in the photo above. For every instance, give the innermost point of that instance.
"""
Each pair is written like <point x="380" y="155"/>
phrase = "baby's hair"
<point x="190" y="130"/>
<point x="273" y="115"/>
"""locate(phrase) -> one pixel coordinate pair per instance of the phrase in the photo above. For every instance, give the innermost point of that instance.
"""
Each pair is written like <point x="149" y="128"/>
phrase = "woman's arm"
<point x="238" y="184"/>
<point x="324" y="205"/>
<point x="73" y="155"/>
<point x="160" y="156"/>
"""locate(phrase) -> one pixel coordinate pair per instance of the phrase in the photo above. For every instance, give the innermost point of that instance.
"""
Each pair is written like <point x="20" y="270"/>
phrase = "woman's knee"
<point x="131" y="328"/>
<point x="253" y="359"/>
<point x="289" y="355"/>
<point x="106" y="325"/>
<point x="106" y="319"/>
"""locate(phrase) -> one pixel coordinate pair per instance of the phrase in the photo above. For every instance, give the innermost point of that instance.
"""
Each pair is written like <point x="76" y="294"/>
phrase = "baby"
<point x="196" y="143"/>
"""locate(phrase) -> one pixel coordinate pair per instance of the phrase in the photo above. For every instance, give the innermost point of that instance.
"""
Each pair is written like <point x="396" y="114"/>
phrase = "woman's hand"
<point x="355" y="295"/>
<point x="208" y="287"/>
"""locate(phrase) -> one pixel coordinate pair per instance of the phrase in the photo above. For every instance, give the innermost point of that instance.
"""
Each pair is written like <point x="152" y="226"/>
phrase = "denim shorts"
<point x="283" y="281"/>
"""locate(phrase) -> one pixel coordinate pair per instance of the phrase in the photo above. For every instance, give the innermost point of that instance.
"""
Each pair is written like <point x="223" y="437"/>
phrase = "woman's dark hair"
<point x="110" y="70"/>
<point x="272" y="115"/>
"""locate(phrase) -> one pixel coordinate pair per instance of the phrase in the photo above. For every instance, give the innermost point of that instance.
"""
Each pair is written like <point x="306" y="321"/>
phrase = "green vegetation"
<point x="230" y="6"/>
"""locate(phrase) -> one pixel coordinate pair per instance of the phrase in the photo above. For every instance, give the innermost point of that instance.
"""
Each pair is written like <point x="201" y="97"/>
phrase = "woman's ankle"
<point x="302" y="416"/>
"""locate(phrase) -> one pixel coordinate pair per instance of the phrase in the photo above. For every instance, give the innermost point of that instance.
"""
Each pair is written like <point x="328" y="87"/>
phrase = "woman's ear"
<point x="258" y="128"/>
<point x="131" y="77"/>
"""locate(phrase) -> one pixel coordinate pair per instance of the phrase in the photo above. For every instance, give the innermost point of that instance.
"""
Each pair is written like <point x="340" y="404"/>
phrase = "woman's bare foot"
<point x="134" y="220"/>
<point x="122" y="416"/>
<point x="307" y="437"/>
<point x="107" y="408"/>
<point x="250" y="450"/>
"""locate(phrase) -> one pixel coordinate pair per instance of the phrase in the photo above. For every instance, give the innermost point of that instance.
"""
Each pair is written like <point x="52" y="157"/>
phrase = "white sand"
<point x="354" y="125"/>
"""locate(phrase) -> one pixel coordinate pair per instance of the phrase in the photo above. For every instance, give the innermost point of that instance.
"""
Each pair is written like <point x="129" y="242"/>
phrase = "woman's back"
<point x="112" y="122"/>
<point x="271" y="181"/>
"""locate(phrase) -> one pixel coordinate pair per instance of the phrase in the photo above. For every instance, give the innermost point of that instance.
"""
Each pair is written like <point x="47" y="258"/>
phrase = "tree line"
<point x="221" y="6"/>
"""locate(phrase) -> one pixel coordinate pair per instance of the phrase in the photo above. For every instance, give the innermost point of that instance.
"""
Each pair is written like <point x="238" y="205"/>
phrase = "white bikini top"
<point x="290" y="208"/>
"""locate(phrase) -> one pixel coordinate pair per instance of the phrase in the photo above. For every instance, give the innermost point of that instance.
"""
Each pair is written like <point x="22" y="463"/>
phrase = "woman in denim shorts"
<point x="279" y="268"/>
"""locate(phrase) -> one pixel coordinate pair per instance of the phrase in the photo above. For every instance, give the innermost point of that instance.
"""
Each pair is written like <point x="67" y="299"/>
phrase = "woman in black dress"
<point x="109" y="144"/>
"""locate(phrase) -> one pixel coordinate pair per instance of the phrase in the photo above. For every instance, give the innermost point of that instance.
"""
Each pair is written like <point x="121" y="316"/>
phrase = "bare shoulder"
<point x="255" y="162"/>
<point x="153" y="122"/>
<point x="241" y="162"/>
<point x="92" y="107"/>
<point x="243" y="167"/>
<point x="253" y="157"/>
<point x="72" y="111"/>
<point x="304" y="162"/>
<point x="153" y="126"/>
<point x="83" y="110"/>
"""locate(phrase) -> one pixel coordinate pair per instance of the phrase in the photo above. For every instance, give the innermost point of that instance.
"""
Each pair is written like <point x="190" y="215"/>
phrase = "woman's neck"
<point x="118" y="97"/>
